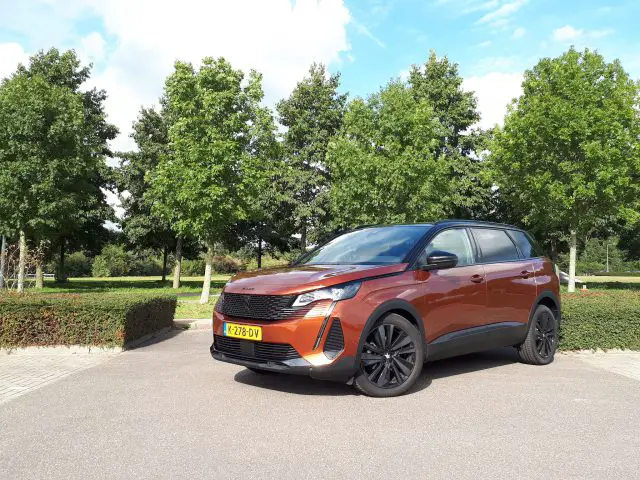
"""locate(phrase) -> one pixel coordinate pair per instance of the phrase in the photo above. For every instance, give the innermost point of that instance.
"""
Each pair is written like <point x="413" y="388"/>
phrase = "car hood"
<point x="294" y="280"/>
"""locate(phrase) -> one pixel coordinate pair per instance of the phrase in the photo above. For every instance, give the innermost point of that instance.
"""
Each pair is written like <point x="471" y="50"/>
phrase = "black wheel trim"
<point x="388" y="356"/>
<point x="545" y="334"/>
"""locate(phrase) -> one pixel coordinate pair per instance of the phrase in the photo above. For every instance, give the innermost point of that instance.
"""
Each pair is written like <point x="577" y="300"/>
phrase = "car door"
<point x="455" y="298"/>
<point x="510" y="279"/>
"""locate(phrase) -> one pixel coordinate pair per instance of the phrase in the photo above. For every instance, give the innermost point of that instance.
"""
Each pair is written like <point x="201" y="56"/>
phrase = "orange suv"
<point x="371" y="305"/>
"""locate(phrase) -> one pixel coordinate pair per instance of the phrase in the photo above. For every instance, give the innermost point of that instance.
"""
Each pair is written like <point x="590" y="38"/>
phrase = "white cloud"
<point x="494" y="92"/>
<point x="484" y="44"/>
<point x="518" y="33"/>
<point x="11" y="54"/>
<point x="92" y="48"/>
<point x="503" y="12"/>
<point x="279" y="38"/>
<point x="568" y="34"/>
<point x="475" y="7"/>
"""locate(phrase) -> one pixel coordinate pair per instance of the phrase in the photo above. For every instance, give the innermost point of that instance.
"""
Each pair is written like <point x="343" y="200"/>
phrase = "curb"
<point x="194" y="323"/>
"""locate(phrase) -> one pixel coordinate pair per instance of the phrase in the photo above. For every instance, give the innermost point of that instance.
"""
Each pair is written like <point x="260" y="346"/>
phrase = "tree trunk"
<point x="178" y="266"/>
<point x="572" y="262"/>
<point x="3" y="260"/>
<point x="206" y="284"/>
<point x="22" y="262"/>
<point x="60" y="275"/>
<point x="554" y="251"/>
<point x="39" y="274"/>
<point x="303" y="236"/>
<point x="259" y="252"/>
<point x="164" y="264"/>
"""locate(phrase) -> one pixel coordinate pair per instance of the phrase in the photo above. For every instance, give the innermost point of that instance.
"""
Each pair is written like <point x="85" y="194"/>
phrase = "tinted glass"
<point x="376" y="246"/>
<point x="453" y="241"/>
<point x="524" y="244"/>
<point x="495" y="245"/>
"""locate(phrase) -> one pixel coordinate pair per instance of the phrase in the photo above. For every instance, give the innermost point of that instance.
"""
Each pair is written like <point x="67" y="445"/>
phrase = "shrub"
<point x="601" y="319"/>
<point x="192" y="268"/>
<point x="81" y="319"/>
<point x="78" y="264"/>
<point x="227" y="264"/>
<point x="113" y="261"/>
<point x="220" y="264"/>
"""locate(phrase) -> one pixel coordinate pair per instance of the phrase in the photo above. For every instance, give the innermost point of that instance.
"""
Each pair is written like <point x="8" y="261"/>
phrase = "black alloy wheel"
<point x="546" y="337"/>
<point x="539" y="346"/>
<point x="391" y="358"/>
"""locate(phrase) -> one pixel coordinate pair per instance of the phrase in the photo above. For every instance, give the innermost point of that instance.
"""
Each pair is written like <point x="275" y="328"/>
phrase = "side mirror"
<point x="440" y="260"/>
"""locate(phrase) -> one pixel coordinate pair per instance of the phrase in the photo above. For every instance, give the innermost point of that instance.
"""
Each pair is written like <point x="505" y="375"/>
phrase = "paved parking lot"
<point x="166" y="410"/>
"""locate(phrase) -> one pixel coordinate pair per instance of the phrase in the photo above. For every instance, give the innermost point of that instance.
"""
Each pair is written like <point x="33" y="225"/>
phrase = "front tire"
<point x="391" y="358"/>
<point x="541" y="342"/>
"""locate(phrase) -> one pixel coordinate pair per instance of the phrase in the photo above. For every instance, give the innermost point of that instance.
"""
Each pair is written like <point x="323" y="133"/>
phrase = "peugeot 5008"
<point x="371" y="305"/>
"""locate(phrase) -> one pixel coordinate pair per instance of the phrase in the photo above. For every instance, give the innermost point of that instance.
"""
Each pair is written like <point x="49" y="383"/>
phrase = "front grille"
<point x="256" y="351"/>
<point x="334" y="343"/>
<point x="260" y="307"/>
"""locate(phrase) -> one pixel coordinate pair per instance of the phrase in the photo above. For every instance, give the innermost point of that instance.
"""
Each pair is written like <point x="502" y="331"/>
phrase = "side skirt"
<point x="476" y="339"/>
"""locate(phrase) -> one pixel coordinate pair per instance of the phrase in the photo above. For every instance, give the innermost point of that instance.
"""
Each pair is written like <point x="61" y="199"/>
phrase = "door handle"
<point x="525" y="274"/>
<point x="477" y="278"/>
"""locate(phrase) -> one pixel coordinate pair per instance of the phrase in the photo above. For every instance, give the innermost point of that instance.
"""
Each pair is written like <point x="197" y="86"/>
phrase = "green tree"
<point x="439" y="82"/>
<point x="65" y="71"/>
<point x="313" y="116"/>
<point x="42" y="175"/>
<point x="142" y="228"/>
<point x="199" y="189"/>
<point x="385" y="165"/>
<point x="568" y="156"/>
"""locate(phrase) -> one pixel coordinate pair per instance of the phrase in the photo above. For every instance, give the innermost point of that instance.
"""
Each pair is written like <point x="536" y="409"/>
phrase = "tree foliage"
<point x="144" y="229"/>
<point x="312" y="116"/>
<point x="438" y="82"/>
<point x="385" y="166"/>
<point x="199" y="189"/>
<point x="568" y="157"/>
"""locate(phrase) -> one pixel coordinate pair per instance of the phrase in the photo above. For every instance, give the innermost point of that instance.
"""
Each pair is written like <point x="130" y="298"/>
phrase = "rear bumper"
<point x="341" y="370"/>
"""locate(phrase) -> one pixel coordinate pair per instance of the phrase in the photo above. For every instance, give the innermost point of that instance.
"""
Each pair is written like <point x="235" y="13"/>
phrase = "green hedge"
<point x="605" y="319"/>
<point x="81" y="319"/>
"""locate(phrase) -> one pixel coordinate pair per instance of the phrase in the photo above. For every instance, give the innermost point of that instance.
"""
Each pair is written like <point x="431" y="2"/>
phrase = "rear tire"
<point x="541" y="342"/>
<point x="391" y="358"/>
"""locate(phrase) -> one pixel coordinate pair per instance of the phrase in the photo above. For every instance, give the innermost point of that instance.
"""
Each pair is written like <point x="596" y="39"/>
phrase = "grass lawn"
<point x="188" y="294"/>
<point x="189" y="285"/>
<point x="192" y="308"/>
<point x="603" y="279"/>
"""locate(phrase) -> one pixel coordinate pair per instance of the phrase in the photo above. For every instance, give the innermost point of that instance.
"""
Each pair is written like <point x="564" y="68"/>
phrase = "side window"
<point x="454" y="241"/>
<point x="525" y="244"/>
<point x="495" y="245"/>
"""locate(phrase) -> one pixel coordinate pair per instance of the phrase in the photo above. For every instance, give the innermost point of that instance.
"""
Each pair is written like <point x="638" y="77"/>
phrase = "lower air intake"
<point x="334" y="344"/>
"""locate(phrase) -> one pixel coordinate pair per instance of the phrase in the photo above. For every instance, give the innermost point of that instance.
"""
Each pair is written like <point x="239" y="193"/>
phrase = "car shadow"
<point x="302" y="385"/>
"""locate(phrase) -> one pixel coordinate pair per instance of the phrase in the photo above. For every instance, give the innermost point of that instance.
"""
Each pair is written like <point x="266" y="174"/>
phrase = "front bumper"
<point x="321" y="343"/>
<point x="341" y="370"/>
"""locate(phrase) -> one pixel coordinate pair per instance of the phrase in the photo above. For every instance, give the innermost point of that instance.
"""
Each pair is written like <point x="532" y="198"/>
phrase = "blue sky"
<point x="133" y="43"/>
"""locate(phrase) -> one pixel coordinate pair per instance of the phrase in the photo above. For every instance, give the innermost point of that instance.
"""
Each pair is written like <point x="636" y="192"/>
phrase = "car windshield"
<point x="374" y="245"/>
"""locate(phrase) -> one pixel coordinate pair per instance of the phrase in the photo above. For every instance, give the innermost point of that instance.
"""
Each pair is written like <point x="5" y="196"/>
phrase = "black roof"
<point x="442" y="223"/>
<point x="475" y="222"/>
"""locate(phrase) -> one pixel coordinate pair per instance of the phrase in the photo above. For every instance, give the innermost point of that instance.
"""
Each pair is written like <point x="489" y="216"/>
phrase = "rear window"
<point x="526" y="246"/>
<point x="375" y="245"/>
<point x="495" y="245"/>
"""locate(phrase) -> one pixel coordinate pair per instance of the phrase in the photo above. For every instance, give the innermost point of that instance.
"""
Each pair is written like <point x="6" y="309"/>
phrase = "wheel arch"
<point x="548" y="299"/>
<point x="397" y="306"/>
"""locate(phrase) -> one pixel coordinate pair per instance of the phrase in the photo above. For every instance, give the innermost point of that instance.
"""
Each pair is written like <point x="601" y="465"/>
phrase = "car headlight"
<point x="340" y="292"/>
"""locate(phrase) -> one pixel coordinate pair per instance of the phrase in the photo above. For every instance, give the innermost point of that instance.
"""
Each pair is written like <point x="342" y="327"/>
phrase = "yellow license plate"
<point x="248" y="332"/>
